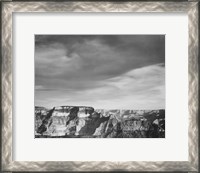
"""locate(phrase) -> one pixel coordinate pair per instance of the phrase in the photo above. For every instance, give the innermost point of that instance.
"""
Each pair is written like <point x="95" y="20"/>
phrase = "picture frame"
<point x="7" y="135"/>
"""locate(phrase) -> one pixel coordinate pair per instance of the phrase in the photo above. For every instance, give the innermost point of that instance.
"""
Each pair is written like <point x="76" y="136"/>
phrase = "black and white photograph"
<point x="99" y="86"/>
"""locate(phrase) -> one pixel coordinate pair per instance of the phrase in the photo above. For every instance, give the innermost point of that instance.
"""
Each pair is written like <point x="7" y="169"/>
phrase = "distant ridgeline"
<point x="87" y="122"/>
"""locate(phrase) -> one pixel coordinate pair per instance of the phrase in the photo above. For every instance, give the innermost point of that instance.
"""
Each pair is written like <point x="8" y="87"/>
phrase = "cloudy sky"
<point x="103" y="71"/>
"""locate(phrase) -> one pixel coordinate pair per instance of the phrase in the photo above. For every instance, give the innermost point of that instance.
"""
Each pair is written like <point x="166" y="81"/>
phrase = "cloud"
<point x="142" y="88"/>
<point x="100" y="70"/>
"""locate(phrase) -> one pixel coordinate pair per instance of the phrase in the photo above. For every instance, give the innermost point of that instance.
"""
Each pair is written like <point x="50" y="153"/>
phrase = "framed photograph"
<point x="100" y="86"/>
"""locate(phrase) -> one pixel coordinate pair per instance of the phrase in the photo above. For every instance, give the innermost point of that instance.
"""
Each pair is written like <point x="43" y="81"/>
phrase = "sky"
<point x="102" y="71"/>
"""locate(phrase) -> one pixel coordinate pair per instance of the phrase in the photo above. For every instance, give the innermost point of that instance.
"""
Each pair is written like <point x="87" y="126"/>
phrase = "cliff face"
<point x="75" y="121"/>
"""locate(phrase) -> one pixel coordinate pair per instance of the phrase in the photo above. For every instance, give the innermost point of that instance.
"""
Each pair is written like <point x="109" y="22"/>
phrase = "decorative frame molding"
<point x="9" y="7"/>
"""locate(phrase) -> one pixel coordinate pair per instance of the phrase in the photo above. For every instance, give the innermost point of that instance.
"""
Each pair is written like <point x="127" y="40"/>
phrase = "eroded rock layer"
<point x="86" y="122"/>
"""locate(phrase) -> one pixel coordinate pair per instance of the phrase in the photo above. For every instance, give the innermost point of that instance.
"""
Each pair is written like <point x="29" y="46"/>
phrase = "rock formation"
<point x="86" y="122"/>
<point x="46" y="122"/>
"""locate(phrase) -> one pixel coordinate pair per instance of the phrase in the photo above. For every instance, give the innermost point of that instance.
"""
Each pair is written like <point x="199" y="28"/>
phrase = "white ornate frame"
<point x="8" y="7"/>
